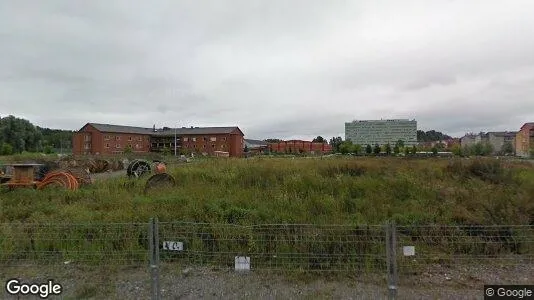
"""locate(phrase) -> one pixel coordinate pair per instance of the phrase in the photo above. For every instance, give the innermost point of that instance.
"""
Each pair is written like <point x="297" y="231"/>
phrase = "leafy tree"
<point x="20" y="134"/>
<point x="357" y="149"/>
<point x="396" y="149"/>
<point x="388" y="149"/>
<point x="368" y="149"/>
<point x="414" y="150"/>
<point x="399" y="143"/>
<point x="434" y="151"/>
<point x="456" y="150"/>
<point x="507" y="148"/>
<point x="56" y="138"/>
<point x="335" y="142"/>
<point x="319" y="139"/>
<point x="6" y="149"/>
<point x="48" y="149"/>
<point x="346" y="147"/>
<point x="431" y="136"/>
<point x="487" y="149"/>
<point x="407" y="151"/>
<point x="245" y="149"/>
<point x="376" y="149"/>
<point x="272" y="140"/>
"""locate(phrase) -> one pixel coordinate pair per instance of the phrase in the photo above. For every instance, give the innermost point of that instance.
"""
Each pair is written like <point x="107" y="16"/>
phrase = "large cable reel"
<point x="138" y="168"/>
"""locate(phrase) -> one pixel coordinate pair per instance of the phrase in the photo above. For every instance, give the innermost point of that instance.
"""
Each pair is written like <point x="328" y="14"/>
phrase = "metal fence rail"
<point x="466" y="245"/>
<point x="398" y="253"/>
<point x="278" y="246"/>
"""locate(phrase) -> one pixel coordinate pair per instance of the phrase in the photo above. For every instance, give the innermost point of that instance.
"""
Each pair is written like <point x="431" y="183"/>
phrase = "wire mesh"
<point x="447" y="260"/>
<point x="454" y="252"/>
<point x="89" y="244"/>
<point x="278" y="246"/>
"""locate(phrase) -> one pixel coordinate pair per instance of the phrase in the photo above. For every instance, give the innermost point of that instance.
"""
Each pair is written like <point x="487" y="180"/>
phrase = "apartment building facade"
<point x="499" y="140"/>
<point x="95" y="139"/>
<point x="381" y="132"/>
<point x="524" y="140"/>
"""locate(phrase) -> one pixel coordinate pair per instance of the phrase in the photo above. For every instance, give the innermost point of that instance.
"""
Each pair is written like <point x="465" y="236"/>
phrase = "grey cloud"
<point x="424" y="83"/>
<point x="278" y="68"/>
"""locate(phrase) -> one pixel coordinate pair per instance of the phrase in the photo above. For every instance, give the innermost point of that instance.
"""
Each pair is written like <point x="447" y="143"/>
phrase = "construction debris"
<point x="138" y="167"/>
<point x="159" y="180"/>
<point x="60" y="179"/>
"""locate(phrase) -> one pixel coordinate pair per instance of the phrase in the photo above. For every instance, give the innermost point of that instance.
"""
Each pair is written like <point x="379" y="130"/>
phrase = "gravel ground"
<point x="203" y="283"/>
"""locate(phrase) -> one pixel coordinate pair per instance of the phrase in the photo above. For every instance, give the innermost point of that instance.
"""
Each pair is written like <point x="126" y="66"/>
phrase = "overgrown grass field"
<point x="328" y="191"/>
<point x="318" y="191"/>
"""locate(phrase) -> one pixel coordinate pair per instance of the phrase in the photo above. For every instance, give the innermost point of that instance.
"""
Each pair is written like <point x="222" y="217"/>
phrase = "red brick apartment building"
<point x="524" y="140"/>
<point x="97" y="139"/>
<point x="298" y="146"/>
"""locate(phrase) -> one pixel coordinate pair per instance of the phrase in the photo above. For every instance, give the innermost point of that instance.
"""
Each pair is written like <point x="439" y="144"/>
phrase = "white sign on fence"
<point x="173" y="246"/>
<point x="408" y="250"/>
<point x="242" y="263"/>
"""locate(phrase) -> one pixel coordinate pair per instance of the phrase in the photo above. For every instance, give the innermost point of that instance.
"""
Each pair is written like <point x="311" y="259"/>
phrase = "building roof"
<point x="164" y="131"/>
<point x="119" y="128"/>
<point x="530" y="124"/>
<point x="197" y="130"/>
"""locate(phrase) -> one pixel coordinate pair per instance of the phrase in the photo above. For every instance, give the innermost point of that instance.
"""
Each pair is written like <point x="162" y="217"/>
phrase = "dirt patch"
<point x="204" y="283"/>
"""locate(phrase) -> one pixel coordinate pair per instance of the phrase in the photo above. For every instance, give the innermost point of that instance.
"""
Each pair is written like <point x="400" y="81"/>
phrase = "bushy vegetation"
<point x="279" y="190"/>
<point x="18" y="135"/>
<point x="260" y="191"/>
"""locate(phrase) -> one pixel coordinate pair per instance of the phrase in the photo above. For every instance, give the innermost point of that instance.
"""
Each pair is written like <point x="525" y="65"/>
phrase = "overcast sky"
<point x="275" y="68"/>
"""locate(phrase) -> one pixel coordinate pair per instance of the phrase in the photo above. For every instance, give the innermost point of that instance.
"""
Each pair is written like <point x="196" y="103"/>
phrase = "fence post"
<point x="153" y="241"/>
<point x="391" y="254"/>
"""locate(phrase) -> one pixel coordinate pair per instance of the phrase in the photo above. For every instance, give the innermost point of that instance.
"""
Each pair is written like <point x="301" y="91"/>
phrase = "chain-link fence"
<point x="398" y="261"/>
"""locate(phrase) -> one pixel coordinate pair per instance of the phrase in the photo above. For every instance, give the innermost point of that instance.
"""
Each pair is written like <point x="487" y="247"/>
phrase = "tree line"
<point x="18" y="135"/>
<point x="344" y="147"/>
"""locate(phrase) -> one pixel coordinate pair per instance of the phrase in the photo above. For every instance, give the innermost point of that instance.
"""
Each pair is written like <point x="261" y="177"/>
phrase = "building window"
<point x="224" y="138"/>
<point x="204" y="139"/>
<point x="117" y="138"/>
<point x="194" y="139"/>
<point x="117" y="146"/>
<point x="107" y="145"/>
<point x="130" y="138"/>
<point x="213" y="139"/>
<point x="106" y="137"/>
<point x="185" y="139"/>
<point x="212" y="146"/>
<point x="137" y="146"/>
<point x="87" y="138"/>
<point x="203" y="146"/>
<point x="140" y="139"/>
<point x="87" y="146"/>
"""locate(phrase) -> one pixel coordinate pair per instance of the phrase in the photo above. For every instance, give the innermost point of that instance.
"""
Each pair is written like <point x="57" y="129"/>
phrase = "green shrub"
<point x="490" y="170"/>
